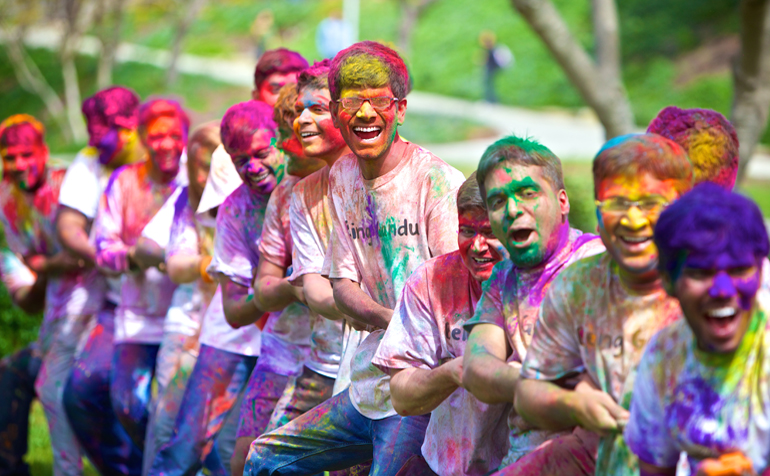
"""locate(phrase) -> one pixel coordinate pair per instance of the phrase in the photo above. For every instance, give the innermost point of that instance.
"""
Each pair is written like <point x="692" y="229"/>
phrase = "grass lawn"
<point x="39" y="456"/>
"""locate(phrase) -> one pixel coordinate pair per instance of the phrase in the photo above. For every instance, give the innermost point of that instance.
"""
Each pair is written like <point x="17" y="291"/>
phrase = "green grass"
<point x="39" y="456"/>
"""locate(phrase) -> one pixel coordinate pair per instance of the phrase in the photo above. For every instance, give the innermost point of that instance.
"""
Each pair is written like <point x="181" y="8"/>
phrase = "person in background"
<point x="29" y="203"/>
<point x="188" y="253"/>
<point x="18" y="371"/>
<point x="274" y="70"/>
<point x="112" y="120"/>
<point x="134" y="194"/>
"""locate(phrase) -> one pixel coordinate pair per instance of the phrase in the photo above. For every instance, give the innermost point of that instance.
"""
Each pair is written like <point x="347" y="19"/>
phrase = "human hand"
<point x="730" y="464"/>
<point x="596" y="411"/>
<point x="147" y="254"/>
<point x="455" y="369"/>
<point x="359" y="326"/>
<point x="61" y="262"/>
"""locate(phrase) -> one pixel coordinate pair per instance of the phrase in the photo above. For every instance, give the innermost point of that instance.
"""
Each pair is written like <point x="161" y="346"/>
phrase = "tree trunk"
<point x="109" y="27"/>
<point x="751" y="77"/>
<point x="73" y="28"/>
<point x="32" y="80"/>
<point x="410" y="14"/>
<point x="606" y="37"/>
<point x="185" y="21"/>
<point x="604" y="93"/>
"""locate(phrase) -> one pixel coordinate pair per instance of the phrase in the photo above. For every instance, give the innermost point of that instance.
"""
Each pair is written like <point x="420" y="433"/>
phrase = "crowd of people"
<point x="297" y="289"/>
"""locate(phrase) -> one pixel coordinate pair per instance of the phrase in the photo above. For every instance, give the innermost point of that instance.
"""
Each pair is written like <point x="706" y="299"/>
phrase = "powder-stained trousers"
<point x="89" y="408"/>
<point x="18" y="372"/>
<point x="214" y="388"/>
<point x="334" y="436"/>
<point x="133" y="368"/>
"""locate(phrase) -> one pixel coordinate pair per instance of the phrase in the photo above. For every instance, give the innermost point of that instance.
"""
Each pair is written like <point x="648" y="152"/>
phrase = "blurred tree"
<point x="751" y="79"/>
<point x="410" y="15"/>
<point x="598" y="80"/>
<point x="108" y="19"/>
<point x="77" y="17"/>
<point x="186" y="12"/>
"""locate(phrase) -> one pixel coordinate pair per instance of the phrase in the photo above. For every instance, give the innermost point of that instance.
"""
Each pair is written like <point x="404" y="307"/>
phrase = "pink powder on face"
<point x="112" y="108"/>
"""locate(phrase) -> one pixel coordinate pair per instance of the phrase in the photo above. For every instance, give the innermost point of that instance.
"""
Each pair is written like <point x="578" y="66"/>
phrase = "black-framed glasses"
<point x="380" y="103"/>
<point x="649" y="204"/>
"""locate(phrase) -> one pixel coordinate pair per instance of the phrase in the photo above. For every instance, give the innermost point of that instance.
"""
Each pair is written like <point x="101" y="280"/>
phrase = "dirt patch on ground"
<point x="715" y="57"/>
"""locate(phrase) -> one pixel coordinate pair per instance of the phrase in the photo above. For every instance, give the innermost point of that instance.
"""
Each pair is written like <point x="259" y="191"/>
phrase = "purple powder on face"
<point x="242" y="120"/>
<point x="709" y="221"/>
<point x="111" y="108"/>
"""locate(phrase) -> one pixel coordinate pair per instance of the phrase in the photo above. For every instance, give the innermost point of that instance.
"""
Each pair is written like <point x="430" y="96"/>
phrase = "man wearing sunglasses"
<point x="393" y="207"/>
<point x="600" y="312"/>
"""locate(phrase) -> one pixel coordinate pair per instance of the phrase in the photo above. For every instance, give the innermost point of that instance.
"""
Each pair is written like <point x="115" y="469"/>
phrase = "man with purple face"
<point x="133" y="196"/>
<point x="29" y="201"/>
<point x="227" y="356"/>
<point x="112" y="119"/>
<point x="701" y="385"/>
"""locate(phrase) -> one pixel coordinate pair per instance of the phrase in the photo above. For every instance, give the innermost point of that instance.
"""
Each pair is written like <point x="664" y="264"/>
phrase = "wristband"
<point x="205" y="276"/>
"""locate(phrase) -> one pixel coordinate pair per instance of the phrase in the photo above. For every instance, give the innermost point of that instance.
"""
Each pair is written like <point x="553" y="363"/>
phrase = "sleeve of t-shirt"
<point x="555" y="350"/>
<point x="231" y="248"/>
<point x="489" y="309"/>
<point x="308" y="251"/>
<point x="272" y="246"/>
<point x="80" y="189"/>
<point x="14" y="273"/>
<point x="647" y="434"/>
<point x="340" y="253"/>
<point x="111" y="251"/>
<point x="442" y="223"/>
<point x="184" y="235"/>
<point x="412" y="338"/>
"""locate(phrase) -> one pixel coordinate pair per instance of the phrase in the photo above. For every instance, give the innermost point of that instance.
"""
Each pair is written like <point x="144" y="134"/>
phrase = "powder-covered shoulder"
<point x="435" y="170"/>
<point x="587" y="272"/>
<point x="237" y="200"/>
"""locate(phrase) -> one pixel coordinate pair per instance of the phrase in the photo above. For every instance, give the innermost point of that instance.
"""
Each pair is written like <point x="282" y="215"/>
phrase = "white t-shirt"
<point x="310" y="220"/>
<point x="190" y="300"/>
<point x="282" y="346"/>
<point x="383" y="230"/>
<point x="464" y="436"/>
<point x="704" y="404"/>
<point x="81" y="190"/>
<point x="511" y="301"/>
<point x="130" y="201"/>
<point x="590" y="322"/>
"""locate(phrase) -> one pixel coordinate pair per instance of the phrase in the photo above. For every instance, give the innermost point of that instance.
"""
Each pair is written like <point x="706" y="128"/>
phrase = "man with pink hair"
<point x="274" y="70"/>
<point x="133" y="196"/>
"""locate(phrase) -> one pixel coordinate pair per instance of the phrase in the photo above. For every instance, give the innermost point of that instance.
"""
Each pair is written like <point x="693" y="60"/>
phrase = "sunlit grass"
<point x="39" y="456"/>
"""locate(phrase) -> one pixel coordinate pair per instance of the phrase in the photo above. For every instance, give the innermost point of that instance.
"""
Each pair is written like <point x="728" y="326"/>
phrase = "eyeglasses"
<point x="379" y="103"/>
<point x="649" y="204"/>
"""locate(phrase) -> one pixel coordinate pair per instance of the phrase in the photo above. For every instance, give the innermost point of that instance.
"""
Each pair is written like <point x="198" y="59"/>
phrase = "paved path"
<point x="573" y="137"/>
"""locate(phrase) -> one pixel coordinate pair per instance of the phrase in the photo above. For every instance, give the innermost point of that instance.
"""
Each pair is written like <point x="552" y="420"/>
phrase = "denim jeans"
<point x="333" y="436"/>
<point x="87" y="402"/>
<point x="18" y="372"/>
<point x="215" y="385"/>
<point x="573" y="454"/>
<point x="133" y="368"/>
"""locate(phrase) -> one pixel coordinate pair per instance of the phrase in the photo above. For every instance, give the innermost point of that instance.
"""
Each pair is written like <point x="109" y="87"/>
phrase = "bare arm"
<point x="55" y="265"/>
<point x="546" y="405"/>
<point x="419" y="391"/>
<point x="272" y="289"/>
<point x="354" y="302"/>
<point x="486" y="374"/>
<point x="31" y="299"/>
<point x="320" y="296"/>
<point x="185" y="268"/>
<point x="238" y="304"/>
<point x="72" y="228"/>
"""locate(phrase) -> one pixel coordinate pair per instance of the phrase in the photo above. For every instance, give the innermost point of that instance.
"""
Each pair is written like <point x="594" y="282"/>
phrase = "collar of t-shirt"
<point x="406" y="157"/>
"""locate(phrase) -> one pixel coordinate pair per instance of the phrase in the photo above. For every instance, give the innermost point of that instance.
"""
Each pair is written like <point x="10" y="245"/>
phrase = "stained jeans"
<point x="133" y="368"/>
<point x="573" y="454"/>
<point x="214" y="388"/>
<point x="18" y="372"/>
<point x="333" y="436"/>
<point x="89" y="408"/>
<point x="58" y="359"/>
<point x="176" y="360"/>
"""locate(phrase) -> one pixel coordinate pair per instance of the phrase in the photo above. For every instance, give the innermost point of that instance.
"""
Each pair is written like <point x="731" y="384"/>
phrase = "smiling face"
<point x="717" y="293"/>
<point x="164" y="139"/>
<point x="24" y="156"/>
<point x="526" y="213"/>
<point x="628" y="235"/>
<point x="478" y="245"/>
<point x="367" y="131"/>
<point x="314" y="125"/>
<point x="253" y="163"/>
<point x="270" y="87"/>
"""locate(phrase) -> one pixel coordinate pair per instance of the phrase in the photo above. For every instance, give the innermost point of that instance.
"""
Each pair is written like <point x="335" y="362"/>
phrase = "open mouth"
<point x="259" y="177"/>
<point x="483" y="261"/>
<point x="722" y="321"/>
<point x="306" y="135"/>
<point x="523" y="236"/>
<point x="636" y="243"/>
<point x="367" y="133"/>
